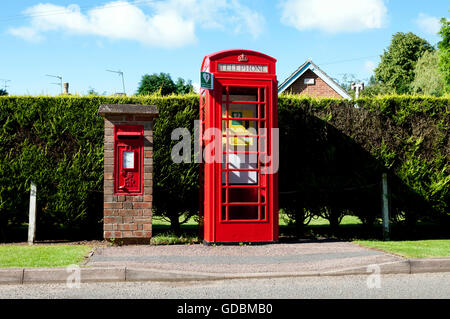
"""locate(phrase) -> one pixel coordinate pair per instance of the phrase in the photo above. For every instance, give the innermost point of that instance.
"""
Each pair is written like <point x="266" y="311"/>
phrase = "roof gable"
<point x="309" y="65"/>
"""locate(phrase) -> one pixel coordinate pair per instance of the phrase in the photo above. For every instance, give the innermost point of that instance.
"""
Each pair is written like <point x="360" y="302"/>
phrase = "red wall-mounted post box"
<point x="128" y="159"/>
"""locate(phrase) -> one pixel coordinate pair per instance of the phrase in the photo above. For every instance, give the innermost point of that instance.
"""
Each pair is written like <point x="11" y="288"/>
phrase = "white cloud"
<point x="428" y="24"/>
<point x="26" y="33"/>
<point x="334" y="16"/>
<point x="171" y="24"/>
<point x="115" y="20"/>
<point x="217" y="14"/>
<point x="246" y="19"/>
<point x="369" y="66"/>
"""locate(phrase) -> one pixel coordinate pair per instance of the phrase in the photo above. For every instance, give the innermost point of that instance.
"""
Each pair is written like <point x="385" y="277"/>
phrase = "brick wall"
<point x="318" y="89"/>
<point x="128" y="218"/>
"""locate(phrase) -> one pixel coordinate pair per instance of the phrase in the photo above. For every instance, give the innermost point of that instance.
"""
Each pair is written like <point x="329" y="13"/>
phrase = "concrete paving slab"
<point x="231" y="260"/>
<point x="11" y="276"/>
<point x="305" y="257"/>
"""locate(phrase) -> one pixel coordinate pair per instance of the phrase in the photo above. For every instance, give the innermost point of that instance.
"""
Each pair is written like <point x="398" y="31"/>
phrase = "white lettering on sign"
<point x="243" y="68"/>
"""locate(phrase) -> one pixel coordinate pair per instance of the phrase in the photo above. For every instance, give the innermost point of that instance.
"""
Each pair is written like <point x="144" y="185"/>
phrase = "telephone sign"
<point x="206" y="80"/>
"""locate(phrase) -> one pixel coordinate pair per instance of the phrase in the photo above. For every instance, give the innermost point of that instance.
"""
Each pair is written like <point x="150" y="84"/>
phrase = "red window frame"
<point x="262" y="179"/>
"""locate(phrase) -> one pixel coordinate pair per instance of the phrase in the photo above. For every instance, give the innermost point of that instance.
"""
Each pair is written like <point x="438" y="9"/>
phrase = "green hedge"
<point x="331" y="158"/>
<point x="341" y="152"/>
<point x="57" y="142"/>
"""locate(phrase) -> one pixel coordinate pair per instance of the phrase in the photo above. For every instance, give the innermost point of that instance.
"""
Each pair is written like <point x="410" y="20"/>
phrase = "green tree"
<point x="396" y="68"/>
<point x="374" y="88"/>
<point x="444" y="47"/>
<point x="428" y="80"/>
<point x="183" y="87"/>
<point x="163" y="84"/>
<point x="3" y="92"/>
<point x="93" y="92"/>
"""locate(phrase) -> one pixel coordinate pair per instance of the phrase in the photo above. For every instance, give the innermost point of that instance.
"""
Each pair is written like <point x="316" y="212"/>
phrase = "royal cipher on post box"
<point x="238" y="117"/>
<point x="128" y="159"/>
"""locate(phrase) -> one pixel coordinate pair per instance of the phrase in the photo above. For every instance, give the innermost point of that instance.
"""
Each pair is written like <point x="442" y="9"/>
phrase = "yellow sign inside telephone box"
<point x="240" y="127"/>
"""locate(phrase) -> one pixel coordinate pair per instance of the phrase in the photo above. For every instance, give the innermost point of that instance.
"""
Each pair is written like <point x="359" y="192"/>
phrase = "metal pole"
<point x="5" y="81"/>
<point x="32" y="215"/>
<point x="120" y="73"/>
<point x="123" y="83"/>
<point x="60" y="81"/>
<point x="385" y="198"/>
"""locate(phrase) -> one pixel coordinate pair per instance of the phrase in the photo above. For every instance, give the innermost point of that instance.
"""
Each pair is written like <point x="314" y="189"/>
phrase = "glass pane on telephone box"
<point x="240" y="130"/>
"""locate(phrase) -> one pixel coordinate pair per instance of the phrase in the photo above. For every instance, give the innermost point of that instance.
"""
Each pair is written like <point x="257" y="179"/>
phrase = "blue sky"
<point x="81" y="39"/>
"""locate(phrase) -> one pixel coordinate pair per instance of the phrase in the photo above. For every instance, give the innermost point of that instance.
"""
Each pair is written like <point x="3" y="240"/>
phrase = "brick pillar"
<point x="128" y="218"/>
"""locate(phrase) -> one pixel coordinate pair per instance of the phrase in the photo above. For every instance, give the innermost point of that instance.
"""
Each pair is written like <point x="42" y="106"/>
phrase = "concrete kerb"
<point x="122" y="274"/>
<point x="60" y="275"/>
<point x="395" y="267"/>
<point x="429" y="265"/>
<point x="11" y="276"/>
<point x="140" y="274"/>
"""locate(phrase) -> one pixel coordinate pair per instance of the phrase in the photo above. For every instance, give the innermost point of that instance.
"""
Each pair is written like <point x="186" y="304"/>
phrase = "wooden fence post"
<point x="385" y="208"/>
<point x="32" y="215"/>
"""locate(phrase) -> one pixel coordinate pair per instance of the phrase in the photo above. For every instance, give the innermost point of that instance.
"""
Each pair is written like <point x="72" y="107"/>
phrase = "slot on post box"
<point x="128" y="159"/>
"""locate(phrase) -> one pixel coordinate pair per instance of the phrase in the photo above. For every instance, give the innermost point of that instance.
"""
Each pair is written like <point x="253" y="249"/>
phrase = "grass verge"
<point x="171" y="239"/>
<point x="42" y="256"/>
<point x="411" y="249"/>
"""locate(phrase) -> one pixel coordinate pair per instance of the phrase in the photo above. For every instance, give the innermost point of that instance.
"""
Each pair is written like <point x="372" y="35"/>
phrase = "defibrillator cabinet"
<point x="238" y="142"/>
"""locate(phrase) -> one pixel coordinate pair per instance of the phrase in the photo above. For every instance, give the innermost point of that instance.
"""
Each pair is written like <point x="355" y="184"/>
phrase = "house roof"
<point x="309" y="65"/>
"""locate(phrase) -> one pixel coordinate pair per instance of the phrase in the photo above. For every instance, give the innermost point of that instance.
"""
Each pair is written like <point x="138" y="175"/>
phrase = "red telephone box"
<point x="239" y="188"/>
<point x="128" y="159"/>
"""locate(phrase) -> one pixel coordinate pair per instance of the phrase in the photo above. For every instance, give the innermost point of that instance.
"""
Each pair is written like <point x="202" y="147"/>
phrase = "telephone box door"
<point x="245" y="206"/>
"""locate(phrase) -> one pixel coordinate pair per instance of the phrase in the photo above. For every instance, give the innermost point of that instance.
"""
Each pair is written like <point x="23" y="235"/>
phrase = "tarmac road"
<point x="417" y="286"/>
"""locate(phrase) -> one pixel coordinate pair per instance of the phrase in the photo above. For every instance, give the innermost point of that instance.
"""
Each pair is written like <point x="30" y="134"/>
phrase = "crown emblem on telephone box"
<point x="242" y="58"/>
